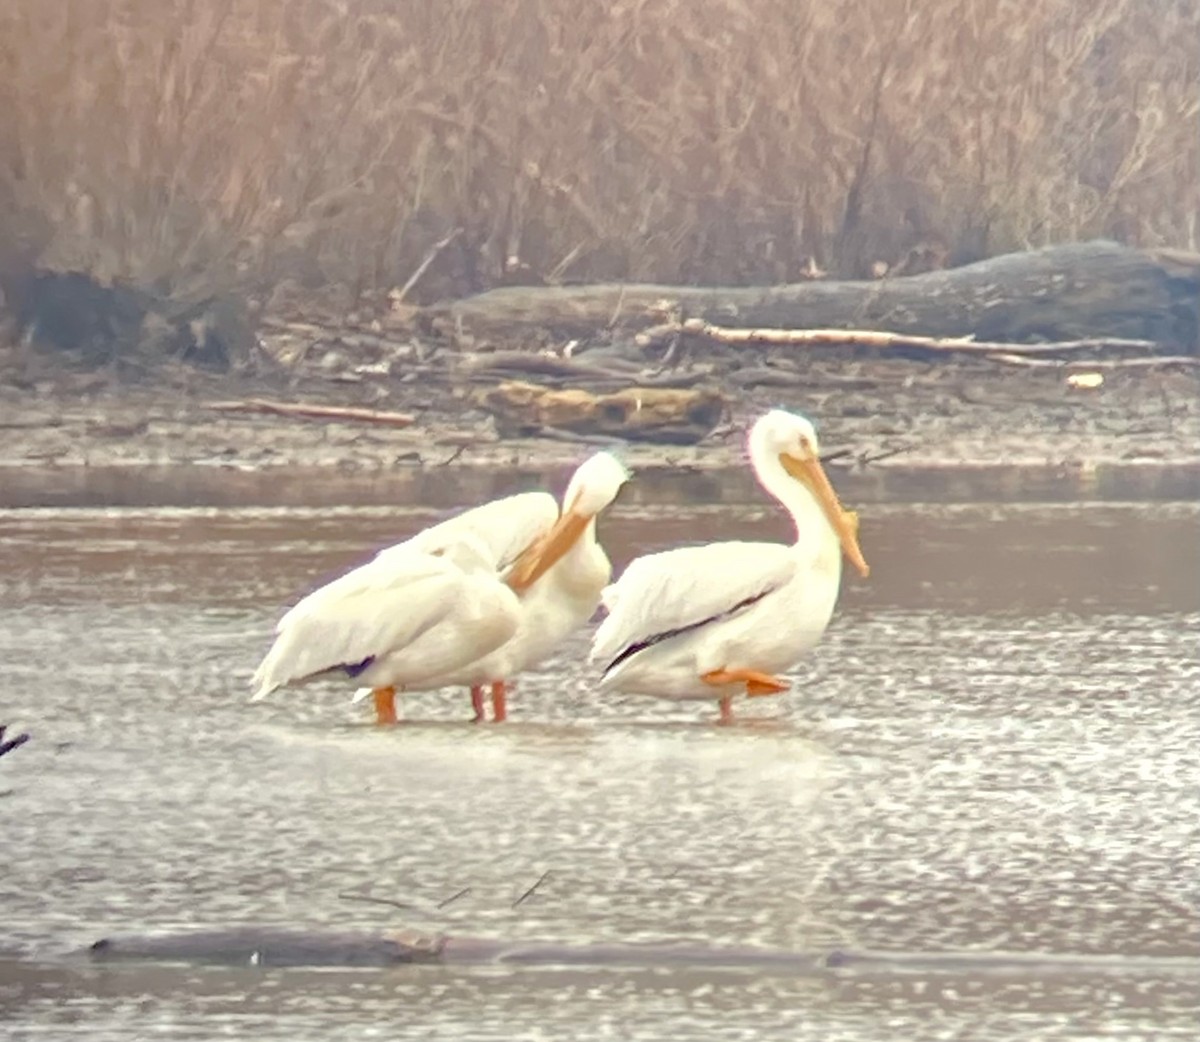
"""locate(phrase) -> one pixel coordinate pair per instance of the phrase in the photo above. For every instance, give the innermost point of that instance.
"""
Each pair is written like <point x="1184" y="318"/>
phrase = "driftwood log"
<point x="1084" y="291"/>
<point x="664" y="415"/>
<point x="266" y="947"/>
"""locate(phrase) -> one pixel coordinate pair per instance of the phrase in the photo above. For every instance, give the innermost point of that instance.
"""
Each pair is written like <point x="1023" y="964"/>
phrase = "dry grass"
<point x="334" y="141"/>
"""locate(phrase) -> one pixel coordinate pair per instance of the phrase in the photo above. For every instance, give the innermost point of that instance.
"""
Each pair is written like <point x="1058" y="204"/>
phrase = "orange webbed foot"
<point x="757" y="683"/>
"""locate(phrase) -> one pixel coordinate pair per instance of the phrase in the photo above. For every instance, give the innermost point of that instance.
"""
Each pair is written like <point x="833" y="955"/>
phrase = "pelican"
<point x="559" y="579"/>
<point x="713" y="621"/>
<point x="411" y="612"/>
<point x="421" y="612"/>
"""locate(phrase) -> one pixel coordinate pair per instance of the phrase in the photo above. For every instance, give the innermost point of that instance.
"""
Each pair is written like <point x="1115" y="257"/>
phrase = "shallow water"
<point x="996" y="747"/>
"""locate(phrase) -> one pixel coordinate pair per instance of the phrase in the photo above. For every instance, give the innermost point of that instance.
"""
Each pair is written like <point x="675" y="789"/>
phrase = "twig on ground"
<point x="453" y="456"/>
<point x="874" y="338"/>
<point x="316" y="412"/>
<point x="369" y="899"/>
<point x="530" y="892"/>
<point x="866" y="459"/>
<point x="617" y="310"/>
<point x="454" y="897"/>
<point x="1157" y="362"/>
<point x="423" y="267"/>
<point x="836" y="454"/>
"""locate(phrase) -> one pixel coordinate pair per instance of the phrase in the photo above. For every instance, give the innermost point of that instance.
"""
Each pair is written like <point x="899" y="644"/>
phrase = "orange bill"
<point x="547" y="551"/>
<point x="811" y="475"/>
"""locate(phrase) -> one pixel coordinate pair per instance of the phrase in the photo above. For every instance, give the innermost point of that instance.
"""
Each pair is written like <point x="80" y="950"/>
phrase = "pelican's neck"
<point x="583" y="545"/>
<point x="814" y="533"/>
<point x="584" y="567"/>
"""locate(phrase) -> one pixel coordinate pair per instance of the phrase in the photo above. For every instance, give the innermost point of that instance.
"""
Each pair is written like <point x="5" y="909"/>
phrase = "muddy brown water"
<point x="996" y="747"/>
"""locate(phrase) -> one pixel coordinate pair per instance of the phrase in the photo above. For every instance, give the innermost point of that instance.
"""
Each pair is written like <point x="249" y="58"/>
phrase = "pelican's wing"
<point x="666" y="593"/>
<point x="380" y="606"/>
<point x="507" y="527"/>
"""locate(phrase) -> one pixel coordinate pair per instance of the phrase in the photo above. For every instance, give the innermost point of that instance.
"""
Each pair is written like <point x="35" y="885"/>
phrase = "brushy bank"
<point x="242" y="143"/>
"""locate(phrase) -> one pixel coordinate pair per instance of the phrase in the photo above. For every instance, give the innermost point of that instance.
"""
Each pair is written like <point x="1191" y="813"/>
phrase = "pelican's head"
<point x="595" y="484"/>
<point x="592" y="488"/>
<point x="781" y="432"/>
<point x="792" y="440"/>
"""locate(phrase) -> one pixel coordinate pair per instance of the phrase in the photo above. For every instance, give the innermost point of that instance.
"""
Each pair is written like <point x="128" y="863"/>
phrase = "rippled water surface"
<point x="996" y="747"/>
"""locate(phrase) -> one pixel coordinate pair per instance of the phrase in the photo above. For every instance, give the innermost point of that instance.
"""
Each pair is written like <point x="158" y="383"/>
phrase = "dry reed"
<point x="333" y="141"/>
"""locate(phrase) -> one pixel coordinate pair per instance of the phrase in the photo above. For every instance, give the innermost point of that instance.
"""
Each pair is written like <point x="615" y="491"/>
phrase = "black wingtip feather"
<point x="658" y="638"/>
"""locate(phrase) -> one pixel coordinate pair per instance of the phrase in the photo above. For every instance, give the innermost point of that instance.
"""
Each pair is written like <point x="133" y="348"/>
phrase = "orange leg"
<point x="499" y="702"/>
<point x="477" y="703"/>
<point x="756" y="683"/>
<point x="385" y="705"/>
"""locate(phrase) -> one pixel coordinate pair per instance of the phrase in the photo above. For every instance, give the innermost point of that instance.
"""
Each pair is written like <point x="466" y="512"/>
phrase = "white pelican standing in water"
<point x="713" y="621"/>
<point x="558" y="578"/>
<point x="408" y="613"/>
<point x="424" y="610"/>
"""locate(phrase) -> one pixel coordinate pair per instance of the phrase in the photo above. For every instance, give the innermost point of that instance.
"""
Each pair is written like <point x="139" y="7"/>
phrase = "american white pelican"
<point x="559" y="579"/>
<point x="711" y="621"/>
<point x="423" y="611"/>
<point x="411" y="612"/>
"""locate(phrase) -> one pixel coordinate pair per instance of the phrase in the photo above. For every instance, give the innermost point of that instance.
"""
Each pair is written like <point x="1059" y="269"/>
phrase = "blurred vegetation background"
<point x="334" y="142"/>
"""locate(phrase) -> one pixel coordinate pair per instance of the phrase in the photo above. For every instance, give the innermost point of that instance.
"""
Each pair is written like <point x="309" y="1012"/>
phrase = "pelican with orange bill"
<point x="557" y="575"/>
<point x="723" y="619"/>
<point x="471" y="600"/>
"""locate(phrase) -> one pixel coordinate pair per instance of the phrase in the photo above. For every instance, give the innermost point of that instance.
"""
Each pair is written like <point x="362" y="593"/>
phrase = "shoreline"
<point x="892" y="430"/>
<point x="193" y="485"/>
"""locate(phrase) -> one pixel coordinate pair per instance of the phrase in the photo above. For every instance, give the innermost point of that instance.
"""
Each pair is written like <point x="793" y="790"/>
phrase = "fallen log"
<point x="272" y="947"/>
<point x="1080" y="291"/>
<point x="655" y="414"/>
<point x="339" y="413"/>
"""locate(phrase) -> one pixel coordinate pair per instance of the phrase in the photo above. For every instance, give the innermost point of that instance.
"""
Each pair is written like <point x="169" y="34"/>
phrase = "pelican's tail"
<point x="263" y="687"/>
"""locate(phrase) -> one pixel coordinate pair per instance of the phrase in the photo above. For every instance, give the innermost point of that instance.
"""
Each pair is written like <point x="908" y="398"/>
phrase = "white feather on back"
<point x="506" y="526"/>
<point x="403" y="591"/>
<point x="682" y="587"/>
<point x="384" y="604"/>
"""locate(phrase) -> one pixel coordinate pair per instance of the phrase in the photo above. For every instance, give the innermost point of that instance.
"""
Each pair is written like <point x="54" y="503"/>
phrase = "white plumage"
<point x="564" y="596"/>
<point x="512" y="574"/>
<point x="710" y="621"/>
<point x="441" y="600"/>
<point x="506" y="526"/>
<point x="674" y="590"/>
